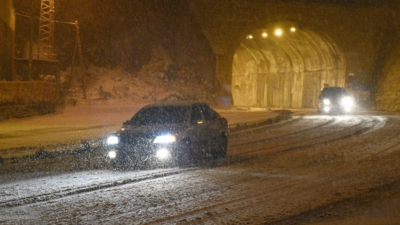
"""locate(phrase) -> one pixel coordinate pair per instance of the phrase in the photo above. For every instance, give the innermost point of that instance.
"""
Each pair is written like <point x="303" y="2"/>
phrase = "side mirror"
<point x="195" y="123"/>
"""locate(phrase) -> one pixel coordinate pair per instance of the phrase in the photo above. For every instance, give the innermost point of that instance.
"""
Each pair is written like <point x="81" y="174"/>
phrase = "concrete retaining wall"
<point x="23" y="99"/>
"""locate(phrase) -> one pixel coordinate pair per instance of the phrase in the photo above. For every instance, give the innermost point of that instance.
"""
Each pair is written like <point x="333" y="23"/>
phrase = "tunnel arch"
<point x="288" y="70"/>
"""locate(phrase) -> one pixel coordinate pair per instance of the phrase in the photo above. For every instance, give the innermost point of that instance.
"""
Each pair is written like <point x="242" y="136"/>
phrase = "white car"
<point x="335" y="100"/>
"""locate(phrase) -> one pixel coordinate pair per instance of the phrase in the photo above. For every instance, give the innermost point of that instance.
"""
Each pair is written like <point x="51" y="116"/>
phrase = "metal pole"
<point x="30" y="45"/>
<point x="78" y="41"/>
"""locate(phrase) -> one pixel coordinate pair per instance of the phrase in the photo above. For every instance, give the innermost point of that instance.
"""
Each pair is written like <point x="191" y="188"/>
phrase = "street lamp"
<point x="278" y="32"/>
<point x="264" y="34"/>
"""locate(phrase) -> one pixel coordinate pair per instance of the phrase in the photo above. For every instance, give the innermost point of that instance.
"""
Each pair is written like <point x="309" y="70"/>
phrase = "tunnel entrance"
<point x="284" y="66"/>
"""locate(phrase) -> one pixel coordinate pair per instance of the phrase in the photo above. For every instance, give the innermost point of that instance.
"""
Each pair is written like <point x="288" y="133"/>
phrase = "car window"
<point x="333" y="92"/>
<point x="196" y="115"/>
<point x="208" y="113"/>
<point x="160" y="115"/>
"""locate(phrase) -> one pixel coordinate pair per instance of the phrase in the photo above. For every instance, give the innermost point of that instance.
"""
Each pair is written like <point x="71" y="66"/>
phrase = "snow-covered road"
<point x="290" y="172"/>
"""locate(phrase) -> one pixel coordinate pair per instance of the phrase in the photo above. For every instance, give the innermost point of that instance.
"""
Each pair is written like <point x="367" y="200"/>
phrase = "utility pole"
<point x="79" y="47"/>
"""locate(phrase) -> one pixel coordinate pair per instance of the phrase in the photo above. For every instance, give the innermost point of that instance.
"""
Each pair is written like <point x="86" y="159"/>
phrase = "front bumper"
<point x="141" y="154"/>
<point x="334" y="108"/>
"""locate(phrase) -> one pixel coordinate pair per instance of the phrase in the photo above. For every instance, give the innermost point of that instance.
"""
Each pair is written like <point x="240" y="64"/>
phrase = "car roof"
<point x="332" y="88"/>
<point x="333" y="91"/>
<point x="176" y="103"/>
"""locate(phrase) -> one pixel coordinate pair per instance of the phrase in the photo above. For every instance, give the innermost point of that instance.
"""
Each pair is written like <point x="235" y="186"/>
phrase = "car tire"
<point x="116" y="165"/>
<point x="125" y="165"/>
<point x="190" y="153"/>
<point x="185" y="155"/>
<point x="222" y="147"/>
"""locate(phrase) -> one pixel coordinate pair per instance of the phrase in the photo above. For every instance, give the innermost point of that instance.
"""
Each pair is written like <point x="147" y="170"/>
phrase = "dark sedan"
<point x="176" y="132"/>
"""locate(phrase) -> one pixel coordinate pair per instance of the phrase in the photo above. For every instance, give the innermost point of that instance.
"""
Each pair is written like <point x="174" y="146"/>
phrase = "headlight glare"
<point x="347" y="101"/>
<point x="112" y="154"/>
<point x="112" y="140"/>
<point x="163" y="154"/>
<point x="165" y="139"/>
<point x="326" y="101"/>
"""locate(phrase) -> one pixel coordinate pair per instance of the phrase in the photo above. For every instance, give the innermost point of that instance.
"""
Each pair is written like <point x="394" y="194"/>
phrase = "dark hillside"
<point x="152" y="39"/>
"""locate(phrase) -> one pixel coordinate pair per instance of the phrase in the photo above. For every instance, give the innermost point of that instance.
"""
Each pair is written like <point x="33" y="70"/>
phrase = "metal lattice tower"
<point x="46" y="30"/>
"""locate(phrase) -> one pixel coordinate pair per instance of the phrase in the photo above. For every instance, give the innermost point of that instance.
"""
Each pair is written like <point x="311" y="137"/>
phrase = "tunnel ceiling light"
<point x="264" y="34"/>
<point x="278" y="32"/>
<point x="249" y="36"/>
<point x="293" y="29"/>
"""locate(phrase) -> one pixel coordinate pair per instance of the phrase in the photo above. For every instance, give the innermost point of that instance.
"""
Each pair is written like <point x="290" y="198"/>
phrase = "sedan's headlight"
<point x="112" y="140"/>
<point x="112" y="154"/>
<point x="163" y="154"/>
<point x="326" y="101"/>
<point x="165" y="139"/>
<point x="347" y="102"/>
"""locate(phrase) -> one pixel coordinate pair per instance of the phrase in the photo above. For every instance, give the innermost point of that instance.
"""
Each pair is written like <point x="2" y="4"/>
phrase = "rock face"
<point x="388" y="90"/>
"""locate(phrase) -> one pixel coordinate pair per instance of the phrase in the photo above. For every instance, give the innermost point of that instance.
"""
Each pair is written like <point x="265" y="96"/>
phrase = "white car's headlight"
<point x="112" y="140"/>
<point x="326" y="101"/>
<point x="163" y="154"/>
<point x="347" y="102"/>
<point x="165" y="139"/>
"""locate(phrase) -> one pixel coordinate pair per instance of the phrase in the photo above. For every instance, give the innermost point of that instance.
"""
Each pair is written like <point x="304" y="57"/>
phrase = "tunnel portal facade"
<point x="335" y="42"/>
<point x="284" y="66"/>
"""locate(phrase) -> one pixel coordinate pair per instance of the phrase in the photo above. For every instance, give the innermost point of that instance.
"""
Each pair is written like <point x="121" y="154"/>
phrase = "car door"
<point x="198" y="132"/>
<point x="211" y="126"/>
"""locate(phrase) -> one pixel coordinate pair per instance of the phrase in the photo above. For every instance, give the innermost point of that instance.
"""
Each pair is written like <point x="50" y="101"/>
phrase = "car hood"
<point x="149" y="132"/>
<point x="335" y="98"/>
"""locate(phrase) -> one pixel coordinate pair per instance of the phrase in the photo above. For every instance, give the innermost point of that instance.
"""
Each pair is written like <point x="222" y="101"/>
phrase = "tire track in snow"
<point x="274" y="129"/>
<point x="325" y="134"/>
<point x="86" y="189"/>
<point x="116" y="183"/>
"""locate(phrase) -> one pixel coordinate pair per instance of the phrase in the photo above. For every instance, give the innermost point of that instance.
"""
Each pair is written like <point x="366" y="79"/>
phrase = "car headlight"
<point x="347" y="102"/>
<point x="327" y="109"/>
<point x="165" y="139"/>
<point x="163" y="154"/>
<point x="112" y="154"/>
<point x="326" y="101"/>
<point x="112" y="140"/>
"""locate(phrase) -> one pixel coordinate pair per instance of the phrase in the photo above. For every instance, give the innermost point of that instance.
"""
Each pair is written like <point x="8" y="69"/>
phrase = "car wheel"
<point x="222" y="148"/>
<point x="185" y="153"/>
<point x="126" y="164"/>
<point x="190" y="153"/>
<point x="117" y="165"/>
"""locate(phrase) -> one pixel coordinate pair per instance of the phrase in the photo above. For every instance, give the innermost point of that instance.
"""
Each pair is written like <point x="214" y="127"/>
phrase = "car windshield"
<point x="160" y="115"/>
<point x="333" y="92"/>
